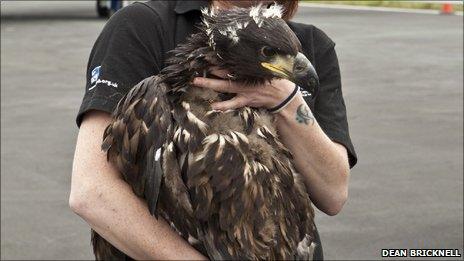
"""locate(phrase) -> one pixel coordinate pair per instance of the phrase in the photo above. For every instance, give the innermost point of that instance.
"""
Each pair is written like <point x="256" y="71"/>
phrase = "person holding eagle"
<point x="228" y="124"/>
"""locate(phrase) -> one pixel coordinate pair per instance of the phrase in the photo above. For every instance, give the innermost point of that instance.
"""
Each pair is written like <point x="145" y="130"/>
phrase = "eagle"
<point x="222" y="179"/>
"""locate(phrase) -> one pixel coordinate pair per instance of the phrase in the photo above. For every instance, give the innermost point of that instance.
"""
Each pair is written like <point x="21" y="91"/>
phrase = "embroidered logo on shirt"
<point x="304" y="93"/>
<point x="95" y="75"/>
<point x="96" y="79"/>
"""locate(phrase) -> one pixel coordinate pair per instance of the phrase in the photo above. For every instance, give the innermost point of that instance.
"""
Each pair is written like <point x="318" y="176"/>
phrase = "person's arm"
<point x="322" y="162"/>
<point x="107" y="203"/>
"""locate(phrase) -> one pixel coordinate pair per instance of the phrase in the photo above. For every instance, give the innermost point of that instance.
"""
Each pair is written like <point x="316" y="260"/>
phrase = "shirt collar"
<point x="185" y="6"/>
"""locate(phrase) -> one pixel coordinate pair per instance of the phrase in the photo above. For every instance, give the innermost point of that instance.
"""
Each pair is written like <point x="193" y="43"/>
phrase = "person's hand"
<point x="267" y="95"/>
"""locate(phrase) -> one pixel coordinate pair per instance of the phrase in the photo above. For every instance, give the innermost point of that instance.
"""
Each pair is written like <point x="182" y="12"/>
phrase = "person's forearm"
<point x="316" y="157"/>
<point x="123" y="219"/>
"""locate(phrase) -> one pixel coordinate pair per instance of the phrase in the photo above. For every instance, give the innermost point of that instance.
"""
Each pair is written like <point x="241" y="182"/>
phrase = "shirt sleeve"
<point x="128" y="50"/>
<point x="329" y="107"/>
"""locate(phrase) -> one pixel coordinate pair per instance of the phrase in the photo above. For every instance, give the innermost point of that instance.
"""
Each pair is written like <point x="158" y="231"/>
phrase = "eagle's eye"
<point x="268" y="52"/>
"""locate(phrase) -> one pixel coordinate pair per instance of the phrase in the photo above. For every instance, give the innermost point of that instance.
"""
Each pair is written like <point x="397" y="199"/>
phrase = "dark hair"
<point x="290" y="6"/>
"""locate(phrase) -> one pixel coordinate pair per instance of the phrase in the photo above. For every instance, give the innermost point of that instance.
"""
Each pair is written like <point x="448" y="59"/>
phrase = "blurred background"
<point x="402" y="74"/>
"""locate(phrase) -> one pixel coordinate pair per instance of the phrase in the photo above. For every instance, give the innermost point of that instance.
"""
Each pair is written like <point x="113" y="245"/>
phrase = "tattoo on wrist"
<point x="304" y="115"/>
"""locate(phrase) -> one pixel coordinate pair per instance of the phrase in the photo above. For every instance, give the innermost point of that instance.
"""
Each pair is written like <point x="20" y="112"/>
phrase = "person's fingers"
<point x="216" y="71"/>
<point x="217" y="85"/>
<point x="234" y="103"/>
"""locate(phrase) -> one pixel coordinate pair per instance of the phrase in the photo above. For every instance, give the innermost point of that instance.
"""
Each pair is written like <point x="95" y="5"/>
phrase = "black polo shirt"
<point x="134" y="43"/>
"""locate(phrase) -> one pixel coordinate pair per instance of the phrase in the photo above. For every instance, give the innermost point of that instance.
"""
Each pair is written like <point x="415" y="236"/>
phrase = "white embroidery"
<point x="95" y="79"/>
<point x="109" y="83"/>
<point x="304" y="93"/>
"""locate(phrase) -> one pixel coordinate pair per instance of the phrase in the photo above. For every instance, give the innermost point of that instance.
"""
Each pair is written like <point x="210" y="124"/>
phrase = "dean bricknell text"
<point x="420" y="253"/>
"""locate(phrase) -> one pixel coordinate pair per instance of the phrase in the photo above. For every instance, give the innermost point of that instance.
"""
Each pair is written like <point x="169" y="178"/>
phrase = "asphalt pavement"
<point x="402" y="79"/>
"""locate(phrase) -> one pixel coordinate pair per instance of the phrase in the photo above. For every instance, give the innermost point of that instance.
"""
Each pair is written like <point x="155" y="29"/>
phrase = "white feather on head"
<point x="258" y="13"/>
<point x="273" y="11"/>
<point x="254" y="13"/>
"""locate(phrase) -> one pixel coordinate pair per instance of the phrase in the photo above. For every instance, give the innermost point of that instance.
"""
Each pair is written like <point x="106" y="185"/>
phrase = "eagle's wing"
<point x="139" y="143"/>
<point x="133" y="141"/>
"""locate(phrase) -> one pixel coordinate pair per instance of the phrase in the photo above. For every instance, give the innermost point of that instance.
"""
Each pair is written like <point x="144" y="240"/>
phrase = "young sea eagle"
<point x="225" y="181"/>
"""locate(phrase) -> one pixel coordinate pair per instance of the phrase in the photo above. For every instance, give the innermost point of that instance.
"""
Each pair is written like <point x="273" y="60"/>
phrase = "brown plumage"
<point x="226" y="183"/>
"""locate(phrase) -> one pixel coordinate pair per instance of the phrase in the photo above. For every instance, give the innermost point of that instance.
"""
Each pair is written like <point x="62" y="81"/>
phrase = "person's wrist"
<point x="287" y="91"/>
<point x="289" y="110"/>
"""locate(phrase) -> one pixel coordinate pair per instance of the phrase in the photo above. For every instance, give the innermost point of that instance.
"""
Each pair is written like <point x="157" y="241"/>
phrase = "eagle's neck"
<point x="187" y="61"/>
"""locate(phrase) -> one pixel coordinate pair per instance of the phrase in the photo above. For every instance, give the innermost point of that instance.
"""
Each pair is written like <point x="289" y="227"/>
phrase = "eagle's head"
<point x="256" y="45"/>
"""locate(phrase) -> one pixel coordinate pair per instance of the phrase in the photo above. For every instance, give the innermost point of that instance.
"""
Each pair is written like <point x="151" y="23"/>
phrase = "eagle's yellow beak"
<point x="281" y="66"/>
<point x="297" y="69"/>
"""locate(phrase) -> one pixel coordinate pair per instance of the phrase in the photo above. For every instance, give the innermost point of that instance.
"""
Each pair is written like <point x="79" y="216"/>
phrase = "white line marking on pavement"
<point x="374" y="8"/>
